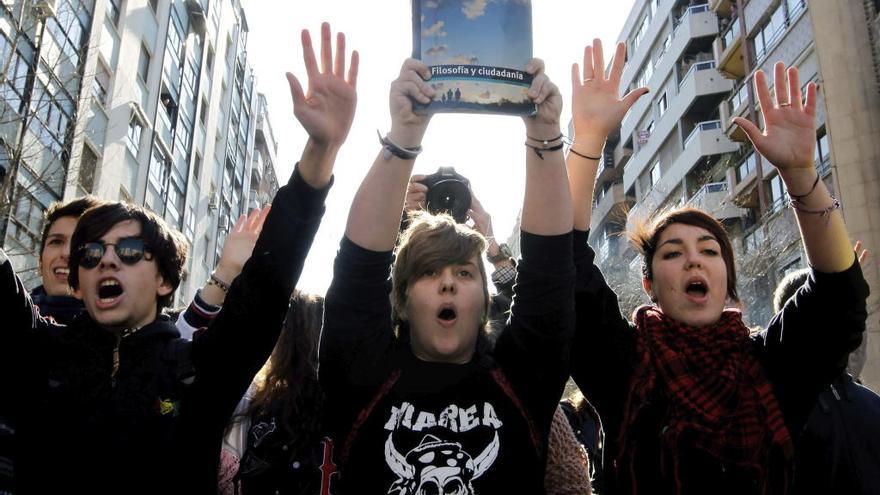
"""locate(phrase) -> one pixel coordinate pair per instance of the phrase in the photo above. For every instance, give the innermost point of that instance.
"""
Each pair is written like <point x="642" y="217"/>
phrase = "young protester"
<point x="275" y="443"/>
<point x="415" y="401"/>
<point x="837" y="450"/>
<point x="692" y="402"/>
<point x="111" y="412"/>
<point x="568" y="468"/>
<point x="53" y="297"/>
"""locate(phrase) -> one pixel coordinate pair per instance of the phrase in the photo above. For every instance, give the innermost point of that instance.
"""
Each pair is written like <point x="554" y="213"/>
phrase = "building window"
<point x="823" y="147"/>
<point x="144" y="64"/>
<point x="770" y="33"/>
<point x="746" y="168"/>
<point x="643" y="30"/>
<point x="113" y="11"/>
<point x="135" y="132"/>
<point x="190" y="224"/>
<point x="655" y="174"/>
<point x="661" y="105"/>
<point x="100" y="84"/>
<point x="154" y="5"/>
<point x="87" y="166"/>
<point x="777" y="194"/>
<point x="794" y="7"/>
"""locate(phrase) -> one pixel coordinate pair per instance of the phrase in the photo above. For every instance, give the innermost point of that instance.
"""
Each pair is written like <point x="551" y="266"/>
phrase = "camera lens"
<point x="449" y="196"/>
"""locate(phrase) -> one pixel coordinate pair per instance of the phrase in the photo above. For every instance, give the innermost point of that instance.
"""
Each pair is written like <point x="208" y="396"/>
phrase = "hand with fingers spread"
<point x="789" y="138"/>
<point x="407" y="127"/>
<point x="545" y="94"/>
<point x="237" y="249"/>
<point x="596" y="105"/>
<point x="326" y="111"/>
<point x="416" y="192"/>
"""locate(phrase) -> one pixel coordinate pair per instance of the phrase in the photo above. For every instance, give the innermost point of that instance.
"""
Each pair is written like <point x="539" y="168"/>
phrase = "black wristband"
<point x="391" y="148"/>
<point x="572" y="150"/>
<point x="545" y="142"/>
<point x="799" y="196"/>
<point x="540" y="151"/>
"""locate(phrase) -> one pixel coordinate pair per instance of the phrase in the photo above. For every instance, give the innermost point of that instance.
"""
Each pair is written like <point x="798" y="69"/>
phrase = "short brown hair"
<point x="73" y="208"/>
<point x="432" y="242"/>
<point x="646" y="233"/>
<point x="166" y="244"/>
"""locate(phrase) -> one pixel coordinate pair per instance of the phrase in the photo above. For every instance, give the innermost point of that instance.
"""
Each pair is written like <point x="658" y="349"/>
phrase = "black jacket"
<point x="82" y="429"/>
<point x="803" y="349"/>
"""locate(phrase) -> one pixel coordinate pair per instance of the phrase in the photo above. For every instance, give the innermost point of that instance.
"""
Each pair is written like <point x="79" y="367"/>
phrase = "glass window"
<point x="823" y="148"/>
<point x="144" y="64"/>
<point x="135" y="131"/>
<point x="746" y="167"/>
<point x="661" y="105"/>
<point x="87" y="167"/>
<point x="113" y="11"/>
<point x="655" y="174"/>
<point x="777" y="194"/>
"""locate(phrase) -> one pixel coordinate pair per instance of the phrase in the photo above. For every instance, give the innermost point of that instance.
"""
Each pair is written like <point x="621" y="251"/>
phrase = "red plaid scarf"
<point x="716" y="391"/>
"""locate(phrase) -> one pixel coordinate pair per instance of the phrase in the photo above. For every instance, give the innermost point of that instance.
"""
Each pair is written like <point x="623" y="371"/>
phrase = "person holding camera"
<point x="416" y="400"/>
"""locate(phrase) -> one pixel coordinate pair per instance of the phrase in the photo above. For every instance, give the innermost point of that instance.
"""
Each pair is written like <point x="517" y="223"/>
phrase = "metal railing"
<point x="702" y="126"/>
<point x="697" y="66"/>
<point x="730" y="34"/>
<point x="712" y="187"/>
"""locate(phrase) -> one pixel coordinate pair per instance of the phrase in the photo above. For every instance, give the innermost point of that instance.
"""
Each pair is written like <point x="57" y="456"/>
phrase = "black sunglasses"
<point x="129" y="250"/>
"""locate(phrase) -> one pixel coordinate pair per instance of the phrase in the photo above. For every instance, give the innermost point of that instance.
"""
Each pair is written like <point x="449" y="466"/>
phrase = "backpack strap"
<point x="502" y="381"/>
<point x="365" y="414"/>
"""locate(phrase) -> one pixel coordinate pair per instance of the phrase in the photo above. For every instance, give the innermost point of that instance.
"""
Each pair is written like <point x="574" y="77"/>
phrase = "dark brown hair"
<point x="432" y="242"/>
<point x="166" y="244"/>
<point x="646" y="234"/>
<point x="73" y="208"/>
<point x="788" y="286"/>
<point x="288" y="384"/>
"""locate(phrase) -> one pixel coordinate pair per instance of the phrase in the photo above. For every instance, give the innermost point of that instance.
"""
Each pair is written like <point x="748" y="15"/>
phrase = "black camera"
<point x="448" y="192"/>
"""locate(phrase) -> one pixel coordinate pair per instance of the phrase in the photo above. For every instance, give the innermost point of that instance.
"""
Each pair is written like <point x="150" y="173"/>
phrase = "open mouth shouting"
<point x="110" y="292"/>
<point x="447" y="316"/>
<point x="697" y="290"/>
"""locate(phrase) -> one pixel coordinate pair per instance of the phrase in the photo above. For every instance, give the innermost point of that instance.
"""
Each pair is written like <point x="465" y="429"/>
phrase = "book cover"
<point x="477" y="51"/>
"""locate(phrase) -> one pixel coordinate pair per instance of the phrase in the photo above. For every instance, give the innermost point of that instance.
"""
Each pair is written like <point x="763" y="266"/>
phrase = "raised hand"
<point x="789" y="138"/>
<point x="481" y="218"/>
<point x="240" y="243"/>
<point x="327" y="110"/>
<point x="407" y="127"/>
<point x="596" y="106"/>
<point x="545" y="94"/>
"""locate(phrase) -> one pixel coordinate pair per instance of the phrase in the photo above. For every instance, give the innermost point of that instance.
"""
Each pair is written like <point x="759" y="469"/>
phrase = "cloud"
<point x="435" y="30"/>
<point x="437" y="50"/>
<point x="463" y="59"/>
<point x="431" y="4"/>
<point x="474" y="8"/>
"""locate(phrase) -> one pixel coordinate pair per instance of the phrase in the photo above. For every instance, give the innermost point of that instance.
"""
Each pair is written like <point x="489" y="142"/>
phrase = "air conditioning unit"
<point x="44" y="8"/>
<point x="214" y="202"/>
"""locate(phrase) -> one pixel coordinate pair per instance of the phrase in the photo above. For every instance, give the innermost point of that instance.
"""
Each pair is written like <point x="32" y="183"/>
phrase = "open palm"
<point x="327" y="110"/>
<point x="789" y="137"/>
<point x="597" y="107"/>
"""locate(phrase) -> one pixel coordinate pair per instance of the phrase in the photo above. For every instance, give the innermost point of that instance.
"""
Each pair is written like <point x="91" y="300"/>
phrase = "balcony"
<point x="697" y="22"/>
<point x="736" y="105"/>
<point x="707" y="139"/>
<point x="728" y="49"/>
<point x="606" y="205"/>
<point x="701" y="80"/>
<point x="714" y="199"/>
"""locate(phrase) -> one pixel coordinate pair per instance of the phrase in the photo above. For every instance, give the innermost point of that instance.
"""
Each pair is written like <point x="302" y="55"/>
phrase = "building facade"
<point x="677" y="145"/>
<point x="169" y="119"/>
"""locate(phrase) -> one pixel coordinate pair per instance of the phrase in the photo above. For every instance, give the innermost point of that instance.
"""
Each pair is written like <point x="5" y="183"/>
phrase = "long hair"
<point x="287" y="385"/>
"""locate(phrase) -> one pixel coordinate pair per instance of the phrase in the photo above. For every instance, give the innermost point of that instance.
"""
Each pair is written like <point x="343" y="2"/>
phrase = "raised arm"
<point x="596" y="110"/>
<point x="374" y="219"/>
<point x="789" y="143"/>
<point x="546" y="205"/>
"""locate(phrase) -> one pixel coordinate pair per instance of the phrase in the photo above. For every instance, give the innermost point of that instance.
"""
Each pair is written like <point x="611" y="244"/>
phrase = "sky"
<point x="487" y="149"/>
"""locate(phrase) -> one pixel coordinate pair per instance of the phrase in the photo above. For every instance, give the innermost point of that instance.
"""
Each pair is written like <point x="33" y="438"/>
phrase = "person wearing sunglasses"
<point x="107" y="411"/>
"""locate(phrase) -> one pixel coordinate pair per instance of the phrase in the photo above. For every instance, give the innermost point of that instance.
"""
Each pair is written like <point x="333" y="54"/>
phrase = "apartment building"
<point x="43" y="46"/>
<point x="677" y="145"/>
<point x="171" y="119"/>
